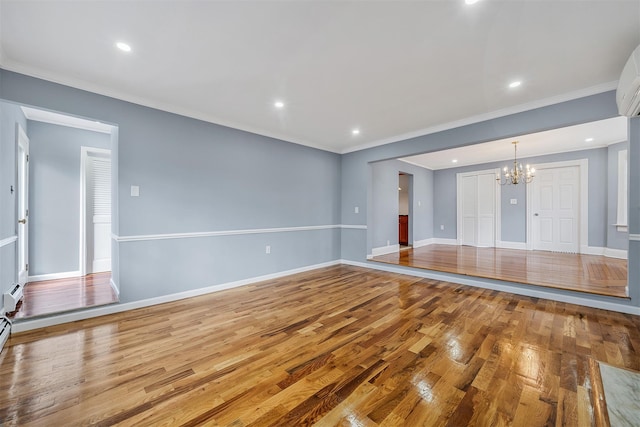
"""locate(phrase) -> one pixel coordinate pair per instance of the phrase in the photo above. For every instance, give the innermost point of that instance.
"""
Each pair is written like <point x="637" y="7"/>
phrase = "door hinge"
<point x="26" y="212"/>
<point x="27" y="157"/>
<point x="26" y="267"/>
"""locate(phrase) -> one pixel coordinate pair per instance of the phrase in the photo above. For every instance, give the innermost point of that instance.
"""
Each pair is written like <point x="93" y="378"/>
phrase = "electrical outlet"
<point x="356" y="210"/>
<point x="267" y="250"/>
<point x="514" y="201"/>
<point x="419" y="203"/>
<point x="388" y="242"/>
<point x="441" y="227"/>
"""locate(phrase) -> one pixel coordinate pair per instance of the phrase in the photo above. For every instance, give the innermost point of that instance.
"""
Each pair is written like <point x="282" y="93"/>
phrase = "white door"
<point x="469" y="210"/>
<point x="477" y="208"/>
<point x="555" y="204"/>
<point x="101" y="189"/>
<point x="95" y="236"/>
<point x="23" y="206"/>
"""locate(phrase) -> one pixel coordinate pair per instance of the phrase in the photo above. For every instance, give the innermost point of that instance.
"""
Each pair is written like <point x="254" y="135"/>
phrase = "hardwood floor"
<point x="584" y="273"/>
<point x="54" y="296"/>
<point x="336" y="346"/>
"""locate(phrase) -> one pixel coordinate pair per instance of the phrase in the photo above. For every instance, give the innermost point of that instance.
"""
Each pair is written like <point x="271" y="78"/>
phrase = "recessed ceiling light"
<point x="471" y="1"/>
<point x="278" y="104"/>
<point x="515" y="84"/>
<point x="454" y="161"/>
<point x="588" y="140"/>
<point x="356" y="132"/>
<point x="123" y="47"/>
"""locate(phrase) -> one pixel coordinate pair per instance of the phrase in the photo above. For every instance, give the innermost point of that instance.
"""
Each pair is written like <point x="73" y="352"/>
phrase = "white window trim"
<point x="622" y="208"/>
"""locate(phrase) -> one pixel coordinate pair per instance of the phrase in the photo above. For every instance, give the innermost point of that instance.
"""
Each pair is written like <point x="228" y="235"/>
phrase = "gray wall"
<point x="615" y="239"/>
<point x="54" y="195"/>
<point x="201" y="177"/>
<point x="384" y="209"/>
<point x="10" y="115"/>
<point x="513" y="217"/>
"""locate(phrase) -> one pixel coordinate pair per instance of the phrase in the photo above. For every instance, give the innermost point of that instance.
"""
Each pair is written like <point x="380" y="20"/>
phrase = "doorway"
<point x="405" y="210"/>
<point x="63" y="207"/>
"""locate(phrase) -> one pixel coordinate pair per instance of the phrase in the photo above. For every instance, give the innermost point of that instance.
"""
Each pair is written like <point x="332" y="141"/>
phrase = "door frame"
<point x="22" y="272"/>
<point x="583" y="214"/>
<point x="84" y="154"/>
<point x="497" y="200"/>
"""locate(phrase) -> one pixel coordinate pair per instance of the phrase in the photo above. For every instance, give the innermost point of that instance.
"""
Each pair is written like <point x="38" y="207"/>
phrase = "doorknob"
<point x="22" y="221"/>
<point x="535" y="214"/>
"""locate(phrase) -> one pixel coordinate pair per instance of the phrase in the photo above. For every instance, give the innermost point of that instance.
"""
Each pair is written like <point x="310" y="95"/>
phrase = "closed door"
<point x="23" y="206"/>
<point x="477" y="209"/>
<point x="555" y="206"/>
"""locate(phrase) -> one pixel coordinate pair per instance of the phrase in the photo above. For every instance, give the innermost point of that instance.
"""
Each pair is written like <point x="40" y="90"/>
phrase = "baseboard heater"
<point x="12" y="298"/>
<point x="5" y="331"/>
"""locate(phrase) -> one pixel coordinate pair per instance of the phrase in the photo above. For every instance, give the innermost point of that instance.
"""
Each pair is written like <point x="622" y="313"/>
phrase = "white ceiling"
<point x="391" y="68"/>
<point x="572" y="138"/>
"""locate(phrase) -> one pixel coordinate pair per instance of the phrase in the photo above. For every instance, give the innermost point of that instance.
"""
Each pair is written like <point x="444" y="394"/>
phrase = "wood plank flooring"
<point x="55" y="296"/>
<point x="583" y="273"/>
<point x="336" y="346"/>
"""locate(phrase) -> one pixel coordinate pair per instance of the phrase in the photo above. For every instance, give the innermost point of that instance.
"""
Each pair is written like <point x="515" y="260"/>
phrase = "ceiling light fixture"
<point x="454" y="161"/>
<point x="356" y="132"/>
<point x="123" y="46"/>
<point x="588" y="140"/>
<point x="278" y="104"/>
<point x="471" y="1"/>
<point x="517" y="174"/>
<point x="515" y="84"/>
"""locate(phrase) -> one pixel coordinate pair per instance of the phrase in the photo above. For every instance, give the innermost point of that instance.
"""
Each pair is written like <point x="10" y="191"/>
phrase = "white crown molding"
<point x="199" y="115"/>
<point x="8" y="241"/>
<point x="593" y="90"/>
<point x="145" y="102"/>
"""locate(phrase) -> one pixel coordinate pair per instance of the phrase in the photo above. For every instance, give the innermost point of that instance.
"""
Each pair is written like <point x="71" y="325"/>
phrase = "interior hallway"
<point x="584" y="273"/>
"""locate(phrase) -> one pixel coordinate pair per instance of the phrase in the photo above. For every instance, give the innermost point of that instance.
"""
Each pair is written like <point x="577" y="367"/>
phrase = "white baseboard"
<point x="439" y="241"/>
<point x="27" y="325"/>
<point x="383" y="250"/>
<point x="608" y="252"/>
<point x="511" y="245"/>
<point x="423" y="242"/>
<point x="53" y="276"/>
<point x="114" y="287"/>
<point x="530" y="292"/>
<point x="615" y="253"/>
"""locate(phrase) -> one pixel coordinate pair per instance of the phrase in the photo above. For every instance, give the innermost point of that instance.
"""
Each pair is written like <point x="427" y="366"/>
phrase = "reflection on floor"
<point x="54" y="296"/>
<point x="583" y="273"/>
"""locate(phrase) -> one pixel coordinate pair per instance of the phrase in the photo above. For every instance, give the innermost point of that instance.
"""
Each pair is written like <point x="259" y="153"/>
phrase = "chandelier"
<point x="517" y="174"/>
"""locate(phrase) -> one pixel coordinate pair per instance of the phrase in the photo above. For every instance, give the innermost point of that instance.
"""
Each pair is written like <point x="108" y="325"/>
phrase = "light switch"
<point x="514" y="201"/>
<point x="135" y="191"/>
<point x="356" y="210"/>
